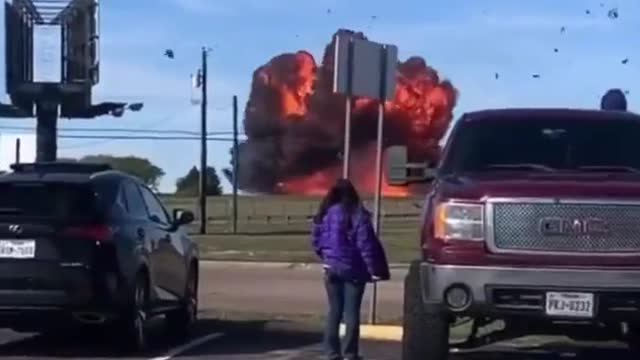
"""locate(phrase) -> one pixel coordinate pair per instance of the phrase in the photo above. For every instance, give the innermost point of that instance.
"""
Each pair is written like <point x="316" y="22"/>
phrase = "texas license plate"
<point x="570" y="304"/>
<point x="17" y="249"/>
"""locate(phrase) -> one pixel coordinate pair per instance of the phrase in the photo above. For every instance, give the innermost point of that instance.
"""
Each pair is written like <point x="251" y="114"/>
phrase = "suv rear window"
<point x="50" y="200"/>
<point x="544" y="144"/>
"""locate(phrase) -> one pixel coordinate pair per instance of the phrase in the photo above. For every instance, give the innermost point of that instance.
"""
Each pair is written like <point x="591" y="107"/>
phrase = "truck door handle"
<point x="140" y="233"/>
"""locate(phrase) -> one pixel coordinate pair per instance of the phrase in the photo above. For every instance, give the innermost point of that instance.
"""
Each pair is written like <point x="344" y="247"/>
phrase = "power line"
<point x="148" y="125"/>
<point x="125" y="130"/>
<point x="126" y="137"/>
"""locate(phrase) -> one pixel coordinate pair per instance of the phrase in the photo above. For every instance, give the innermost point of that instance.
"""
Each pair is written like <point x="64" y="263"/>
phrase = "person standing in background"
<point x="352" y="255"/>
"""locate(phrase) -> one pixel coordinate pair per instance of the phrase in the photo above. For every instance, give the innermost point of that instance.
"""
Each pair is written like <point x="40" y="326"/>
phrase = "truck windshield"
<point x="545" y="145"/>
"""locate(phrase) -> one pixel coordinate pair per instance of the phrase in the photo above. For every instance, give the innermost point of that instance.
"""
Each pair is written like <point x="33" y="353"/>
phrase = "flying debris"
<point x="625" y="61"/>
<point x="328" y="11"/>
<point x="563" y="29"/>
<point x="555" y="50"/>
<point x="536" y="76"/>
<point x="588" y="11"/>
<point x="613" y="13"/>
<point x="497" y="76"/>
<point x="373" y="17"/>
<point x="169" y="53"/>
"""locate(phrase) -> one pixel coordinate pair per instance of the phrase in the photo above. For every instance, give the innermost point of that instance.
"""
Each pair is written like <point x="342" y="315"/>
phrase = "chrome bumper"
<point x="436" y="279"/>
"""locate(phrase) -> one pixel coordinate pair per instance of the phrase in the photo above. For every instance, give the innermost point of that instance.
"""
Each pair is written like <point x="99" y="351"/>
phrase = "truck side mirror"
<point x="401" y="172"/>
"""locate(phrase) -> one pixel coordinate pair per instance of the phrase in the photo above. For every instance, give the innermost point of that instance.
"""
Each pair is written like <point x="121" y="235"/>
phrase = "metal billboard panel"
<point x="47" y="57"/>
<point x="364" y="68"/>
<point x="15" y="42"/>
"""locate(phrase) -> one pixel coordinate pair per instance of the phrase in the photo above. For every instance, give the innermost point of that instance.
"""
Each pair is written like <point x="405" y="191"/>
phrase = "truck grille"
<point x="517" y="227"/>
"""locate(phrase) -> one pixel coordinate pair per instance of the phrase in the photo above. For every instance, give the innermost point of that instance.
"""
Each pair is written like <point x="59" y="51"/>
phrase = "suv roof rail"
<point x="61" y="167"/>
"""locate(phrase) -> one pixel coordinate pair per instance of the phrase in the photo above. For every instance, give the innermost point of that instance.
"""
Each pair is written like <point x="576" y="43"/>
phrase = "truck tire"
<point x="425" y="327"/>
<point x="633" y="340"/>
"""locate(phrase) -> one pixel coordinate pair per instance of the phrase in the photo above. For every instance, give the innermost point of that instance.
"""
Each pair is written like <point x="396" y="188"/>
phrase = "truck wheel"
<point x="633" y="340"/>
<point x="425" y="328"/>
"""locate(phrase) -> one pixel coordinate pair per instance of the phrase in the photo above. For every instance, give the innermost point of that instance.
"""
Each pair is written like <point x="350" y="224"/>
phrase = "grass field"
<point x="276" y="228"/>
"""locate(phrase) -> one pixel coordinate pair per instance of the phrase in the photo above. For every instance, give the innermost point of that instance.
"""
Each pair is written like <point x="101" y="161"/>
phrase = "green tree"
<point x="188" y="185"/>
<point x="141" y="168"/>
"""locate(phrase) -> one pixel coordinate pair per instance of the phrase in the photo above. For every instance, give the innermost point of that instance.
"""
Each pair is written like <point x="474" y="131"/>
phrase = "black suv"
<point x="84" y="244"/>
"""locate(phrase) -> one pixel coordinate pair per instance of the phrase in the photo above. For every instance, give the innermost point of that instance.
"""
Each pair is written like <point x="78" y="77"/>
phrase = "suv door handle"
<point x="140" y="233"/>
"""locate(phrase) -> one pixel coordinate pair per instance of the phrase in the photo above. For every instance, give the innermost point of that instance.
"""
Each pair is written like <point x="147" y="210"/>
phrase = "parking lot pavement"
<point x="260" y="339"/>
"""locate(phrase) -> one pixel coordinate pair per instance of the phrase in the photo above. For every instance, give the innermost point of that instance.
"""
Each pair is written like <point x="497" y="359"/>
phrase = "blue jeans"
<point x="345" y="299"/>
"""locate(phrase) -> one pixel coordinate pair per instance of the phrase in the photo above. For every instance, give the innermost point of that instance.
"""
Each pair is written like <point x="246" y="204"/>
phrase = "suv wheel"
<point x="425" y="328"/>
<point x="179" y="322"/>
<point x="132" y="326"/>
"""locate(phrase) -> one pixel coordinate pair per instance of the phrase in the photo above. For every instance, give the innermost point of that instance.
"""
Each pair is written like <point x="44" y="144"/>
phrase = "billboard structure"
<point x="52" y="64"/>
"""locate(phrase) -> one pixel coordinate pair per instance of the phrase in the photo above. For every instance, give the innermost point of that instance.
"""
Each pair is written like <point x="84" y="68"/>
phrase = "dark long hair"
<point x="342" y="192"/>
<point x="614" y="99"/>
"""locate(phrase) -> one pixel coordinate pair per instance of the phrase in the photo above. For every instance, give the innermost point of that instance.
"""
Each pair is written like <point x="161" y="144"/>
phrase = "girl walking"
<point x="352" y="256"/>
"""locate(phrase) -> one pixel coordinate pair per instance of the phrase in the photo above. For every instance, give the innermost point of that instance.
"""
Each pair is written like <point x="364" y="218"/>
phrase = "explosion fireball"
<point x="295" y="124"/>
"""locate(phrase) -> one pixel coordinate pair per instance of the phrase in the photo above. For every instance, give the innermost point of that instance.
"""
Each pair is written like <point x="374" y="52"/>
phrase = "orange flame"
<point x="295" y="91"/>
<point x="363" y="163"/>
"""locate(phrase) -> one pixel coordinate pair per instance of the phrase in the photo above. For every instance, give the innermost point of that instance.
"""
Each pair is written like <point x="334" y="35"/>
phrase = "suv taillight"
<point x="94" y="232"/>
<point x="459" y="221"/>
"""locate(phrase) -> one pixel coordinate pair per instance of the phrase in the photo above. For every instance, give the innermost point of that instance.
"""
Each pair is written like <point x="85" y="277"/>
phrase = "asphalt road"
<point x="283" y="290"/>
<point x="263" y="293"/>
<point x="264" y="340"/>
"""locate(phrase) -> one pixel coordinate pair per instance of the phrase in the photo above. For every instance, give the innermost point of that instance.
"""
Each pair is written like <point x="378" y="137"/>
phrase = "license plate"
<point x="570" y="304"/>
<point x="17" y="249"/>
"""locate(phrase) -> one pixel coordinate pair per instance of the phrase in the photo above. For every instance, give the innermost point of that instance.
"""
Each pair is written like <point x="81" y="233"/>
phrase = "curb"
<point x="378" y="332"/>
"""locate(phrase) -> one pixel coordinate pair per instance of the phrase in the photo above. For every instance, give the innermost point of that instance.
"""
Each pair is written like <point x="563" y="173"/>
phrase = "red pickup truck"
<point x="532" y="222"/>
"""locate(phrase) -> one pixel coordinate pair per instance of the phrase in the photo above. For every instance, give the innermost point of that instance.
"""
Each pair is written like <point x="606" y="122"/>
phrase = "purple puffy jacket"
<point x="354" y="253"/>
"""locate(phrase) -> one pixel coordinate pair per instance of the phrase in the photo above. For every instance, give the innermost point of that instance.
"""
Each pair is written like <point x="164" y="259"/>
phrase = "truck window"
<point x="558" y="144"/>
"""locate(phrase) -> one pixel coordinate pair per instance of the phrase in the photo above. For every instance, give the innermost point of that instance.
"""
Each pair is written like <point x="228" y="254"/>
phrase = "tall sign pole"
<point x="377" y="202"/>
<point x="344" y="47"/>
<point x="367" y="69"/>
<point x="235" y="164"/>
<point x="203" y="145"/>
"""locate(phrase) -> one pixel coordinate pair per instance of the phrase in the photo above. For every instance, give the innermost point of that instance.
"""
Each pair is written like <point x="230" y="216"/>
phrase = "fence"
<point x="285" y="209"/>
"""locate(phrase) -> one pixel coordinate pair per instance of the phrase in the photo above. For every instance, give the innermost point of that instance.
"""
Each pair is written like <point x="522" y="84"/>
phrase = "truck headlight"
<point x="459" y="221"/>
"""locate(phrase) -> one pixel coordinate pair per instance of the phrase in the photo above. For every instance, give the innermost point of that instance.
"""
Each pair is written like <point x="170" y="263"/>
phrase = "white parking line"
<point x="188" y="346"/>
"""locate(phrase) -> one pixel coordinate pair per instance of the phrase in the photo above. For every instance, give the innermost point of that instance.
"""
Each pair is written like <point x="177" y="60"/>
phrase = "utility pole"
<point x="203" y="145"/>
<point x="235" y="164"/>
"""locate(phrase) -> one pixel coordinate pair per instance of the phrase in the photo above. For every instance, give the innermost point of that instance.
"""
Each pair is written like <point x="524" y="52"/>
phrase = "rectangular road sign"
<point x="364" y="68"/>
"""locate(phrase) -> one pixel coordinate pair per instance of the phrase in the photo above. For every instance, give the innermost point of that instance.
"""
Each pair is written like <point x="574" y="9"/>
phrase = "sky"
<point x="467" y="41"/>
